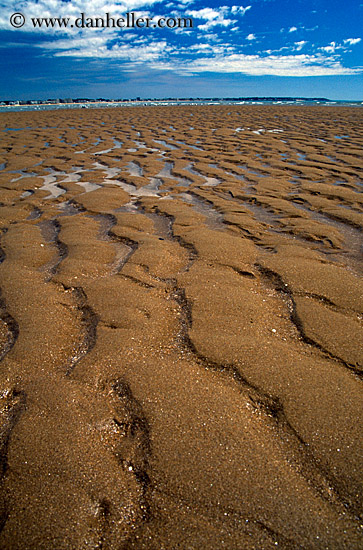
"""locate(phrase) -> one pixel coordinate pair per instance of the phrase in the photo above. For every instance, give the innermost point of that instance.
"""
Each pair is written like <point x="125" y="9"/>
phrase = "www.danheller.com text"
<point x="129" y="20"/>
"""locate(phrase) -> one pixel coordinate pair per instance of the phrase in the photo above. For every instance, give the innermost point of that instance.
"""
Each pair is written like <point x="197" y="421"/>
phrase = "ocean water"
<point x="150" y="103"/>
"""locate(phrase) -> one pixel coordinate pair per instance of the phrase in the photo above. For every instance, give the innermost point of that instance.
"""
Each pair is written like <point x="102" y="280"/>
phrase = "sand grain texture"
<point x="181" y="328"/>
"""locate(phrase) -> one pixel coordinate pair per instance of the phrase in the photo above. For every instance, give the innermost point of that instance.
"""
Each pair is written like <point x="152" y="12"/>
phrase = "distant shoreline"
<point x="175" y="102"/>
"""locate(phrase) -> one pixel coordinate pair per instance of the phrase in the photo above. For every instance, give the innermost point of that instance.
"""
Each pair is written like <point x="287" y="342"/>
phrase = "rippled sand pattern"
<point x="181" y="328"/>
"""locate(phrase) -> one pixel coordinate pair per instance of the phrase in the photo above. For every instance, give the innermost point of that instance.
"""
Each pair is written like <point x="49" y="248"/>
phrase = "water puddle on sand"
<point x="88" y="186"/>
<point x="262" y="215"/>
<point x="104" y="151"/>
<point x="129" y="188"/>
<point x="134" y="169"/>
<point x="70" y="178"/>
<point x="130" y="206"/>
<point x="68" y="209"/>
<point x="191" y="170"/>
<point x="50" y="230"/>
<point x="35" y="214"/>
<point x="22" y="175"/>
<point x="341" y="183"/>
<point x="123" y="253"/>
<point x="214" y="219"/>
<point x="352" y="256"/>
<point x="50" y="184"/>
<point x="232" y="174"/>
<point x="237" y="176"/>
<point x="17" y="129"/>
<point x="211" y="182"/>
<point x="162" y="225"/>
<point x="255" y="173"/>
<point x="166" y="173"/>
<point x="122" y="250"/>
<point x="271" y="222"/>
<point x="189" y="145"/>
<point x="166" y="144"/>
<point x="73" y="177"/>
<point x="149" y="190"/>
<point x="110" y="172"/>
<point x="140" y="144"/>
<point x="117" y="145"/>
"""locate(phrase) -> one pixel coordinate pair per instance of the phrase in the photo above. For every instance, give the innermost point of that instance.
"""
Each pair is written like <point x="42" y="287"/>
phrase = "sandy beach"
<point x="181" y="328"/>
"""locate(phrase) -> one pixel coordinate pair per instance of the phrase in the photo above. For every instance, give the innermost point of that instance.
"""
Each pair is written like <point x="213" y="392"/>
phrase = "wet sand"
<point x="181" y="328"/>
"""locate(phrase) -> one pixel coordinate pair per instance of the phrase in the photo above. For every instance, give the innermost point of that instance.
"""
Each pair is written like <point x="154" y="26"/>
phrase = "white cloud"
<point x="58" y="8"/>
<point x="212" y="37"/>
<point x="217" y="16"/>
<point x="213" y="17"/>
<point x="200" y="47"/>
<point x="206" y="49"/>
<point x="240" y="9"/>
<point x="137" y="54"/>
<point x="206" y="13"/>
<point x="352" y="41"/>
<point x="331" y="48"/>
<point x="211" y="54"/>
<point x="221" y="22"/>
<point x="300" y="45"/>
<point x="254" y="65"/>
<point x="182" y="31"/>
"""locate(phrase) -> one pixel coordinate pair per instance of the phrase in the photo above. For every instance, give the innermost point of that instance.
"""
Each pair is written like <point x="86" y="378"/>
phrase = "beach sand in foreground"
<point x="181" y="328"/>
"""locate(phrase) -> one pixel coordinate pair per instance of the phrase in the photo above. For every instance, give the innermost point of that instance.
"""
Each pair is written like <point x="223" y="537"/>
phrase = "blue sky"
<point x="255" y="48"/>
